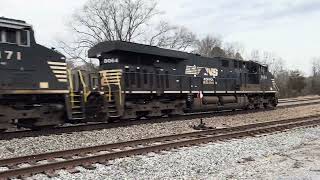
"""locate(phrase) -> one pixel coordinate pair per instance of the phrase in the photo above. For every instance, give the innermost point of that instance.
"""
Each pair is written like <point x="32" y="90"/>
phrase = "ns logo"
<point x="195" y="70"/>
<point x="212" y="72"/>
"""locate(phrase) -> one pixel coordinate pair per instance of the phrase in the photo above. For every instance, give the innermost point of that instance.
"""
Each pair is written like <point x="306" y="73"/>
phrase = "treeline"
<point x="141" y="21"/>
<point x="291" y="83"/>
<point x="134" y="21"/>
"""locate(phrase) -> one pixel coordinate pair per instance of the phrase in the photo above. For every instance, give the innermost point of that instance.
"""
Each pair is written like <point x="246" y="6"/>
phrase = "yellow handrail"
<point x="86" y="92"/>
<point x="112" y="77"/>
<point x="71" y="88"/>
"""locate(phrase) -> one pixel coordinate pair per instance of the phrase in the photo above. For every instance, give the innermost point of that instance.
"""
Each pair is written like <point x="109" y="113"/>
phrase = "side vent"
<point x="59" y="69"/>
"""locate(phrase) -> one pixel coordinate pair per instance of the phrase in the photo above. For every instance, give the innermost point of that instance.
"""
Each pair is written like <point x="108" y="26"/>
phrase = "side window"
<point x="24" y="38"/>
<point x="225" y="63"/>
<point x="244" y="65"/>
<point x="132" y="77"/>
<point x="264" y="70"/>
<point x="11" y="36"/>
<point x="236" y="64"/>
<point x="167" y="79"/>
<point x="145" y="76"/>
<point x="158" y="78"/>
<point x="138" y="78"/>
<point x="151" y="80"/>
<point x="2" y="35"/>
<point x="94" y="82"/>
<point x="126" y="75"/>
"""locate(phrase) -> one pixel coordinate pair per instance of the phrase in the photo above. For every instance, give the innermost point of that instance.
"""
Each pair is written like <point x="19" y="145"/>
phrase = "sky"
<point x="288" y="28"/>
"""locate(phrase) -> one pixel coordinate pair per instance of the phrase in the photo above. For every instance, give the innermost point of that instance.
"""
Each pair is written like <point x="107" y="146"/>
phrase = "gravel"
<point x="290" y="155"/>
<point x="34" y="145"/>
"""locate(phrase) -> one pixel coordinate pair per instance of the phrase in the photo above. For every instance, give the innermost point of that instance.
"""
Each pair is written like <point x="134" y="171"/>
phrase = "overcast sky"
<point x="288" y="28"/>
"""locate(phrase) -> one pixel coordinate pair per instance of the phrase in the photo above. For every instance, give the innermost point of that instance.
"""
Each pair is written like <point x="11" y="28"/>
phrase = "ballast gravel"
<point x="290" y="155"/>
<point x="35" y="145"/>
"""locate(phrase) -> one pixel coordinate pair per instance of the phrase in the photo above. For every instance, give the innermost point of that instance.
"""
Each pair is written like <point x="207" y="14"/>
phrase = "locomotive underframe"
<point x="155" y="105"/>
<point x="31" y="111"/>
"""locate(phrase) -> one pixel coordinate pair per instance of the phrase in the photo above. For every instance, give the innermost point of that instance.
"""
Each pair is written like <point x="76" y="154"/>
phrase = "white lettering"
<point x="111" y="60"/>
<point x="9" y="54"/>
<point x="209" y="81"/>
<point x="212" y="71"/>
<point x="18" y="55"/>
<point x="194" y="70"/>
<point x="263" y="77"/>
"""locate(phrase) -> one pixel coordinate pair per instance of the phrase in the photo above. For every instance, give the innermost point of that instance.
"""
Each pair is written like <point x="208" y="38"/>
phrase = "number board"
<point x="10" y="55"/>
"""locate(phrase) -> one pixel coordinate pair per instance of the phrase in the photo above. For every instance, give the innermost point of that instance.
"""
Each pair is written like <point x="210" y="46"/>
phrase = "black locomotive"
<point x="143" y="80"/>
<point x="134" y="81"/>
<point x="33" y="78"/>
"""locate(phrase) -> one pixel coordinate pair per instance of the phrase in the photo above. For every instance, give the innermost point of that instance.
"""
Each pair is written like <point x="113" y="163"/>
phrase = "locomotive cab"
<point x="138" y="67"/>
<point x="33" y="78"/>
<point x="138" y="74"/>
<point x="23" y="62"/>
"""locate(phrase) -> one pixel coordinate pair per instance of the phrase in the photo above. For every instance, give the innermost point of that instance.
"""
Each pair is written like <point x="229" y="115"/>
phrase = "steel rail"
<point x="105" y="125"/>
<point x="297" y="99"/>
<point x="79" y="157"/>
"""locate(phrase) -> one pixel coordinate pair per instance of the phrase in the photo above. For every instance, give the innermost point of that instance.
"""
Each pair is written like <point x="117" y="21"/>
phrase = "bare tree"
<point x="315" y="67"/>
<point x="315" y="77"/>
<point x="125" y="20"/>
<point x="275" y="63"/>
<point x="296" y="82"/>
<point x="282" y="79"/>
<point x="102" y="20"/>
<point x="209" y="46"/>
<point x="172" y="37"/>
<point x="255" y="55"/>
<point x="233" y="50"/>
<point x="230" y="50"/>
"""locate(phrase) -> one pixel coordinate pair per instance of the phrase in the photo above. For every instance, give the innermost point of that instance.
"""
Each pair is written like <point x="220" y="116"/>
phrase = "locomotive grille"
<point x="59" y="69"/>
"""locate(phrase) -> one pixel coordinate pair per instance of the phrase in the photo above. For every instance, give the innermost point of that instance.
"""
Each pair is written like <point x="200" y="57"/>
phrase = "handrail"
<point x="113" y="77"/>
<point x="71" y="88"/>
<point x="85" y="90"/>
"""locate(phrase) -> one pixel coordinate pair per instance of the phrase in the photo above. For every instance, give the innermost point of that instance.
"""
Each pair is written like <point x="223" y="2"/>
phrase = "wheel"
<point x="250" y="106"/>
<point x="96" y="110"/>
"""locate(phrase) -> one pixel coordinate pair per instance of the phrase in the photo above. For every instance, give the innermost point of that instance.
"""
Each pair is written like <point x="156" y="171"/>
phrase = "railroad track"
<point x="49" y="162"/>
<point x="298" y="103"/>
<point x="104" y="125"/>
<point x="298" y="99"/>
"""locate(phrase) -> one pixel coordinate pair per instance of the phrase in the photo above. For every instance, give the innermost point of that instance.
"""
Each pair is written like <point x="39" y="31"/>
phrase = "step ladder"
<point x="112" y="106"/>
<point x="109" y="79"/>
<point x="77" y="109"/>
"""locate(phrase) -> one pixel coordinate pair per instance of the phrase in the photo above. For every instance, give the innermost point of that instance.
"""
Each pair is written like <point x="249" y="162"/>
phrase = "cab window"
<point x="11" y="36"/>
<point x="24" y="38"/>
<point x="236" y="63"/>
<point x="2" y="35"/>
<point x="225" y="63"/>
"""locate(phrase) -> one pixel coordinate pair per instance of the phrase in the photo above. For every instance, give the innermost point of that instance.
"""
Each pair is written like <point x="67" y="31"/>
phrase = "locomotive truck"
<point x="133" y="81"/>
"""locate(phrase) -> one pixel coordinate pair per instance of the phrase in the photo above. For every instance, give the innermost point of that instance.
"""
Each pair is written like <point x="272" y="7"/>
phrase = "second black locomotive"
<point x="141" y="80"/>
